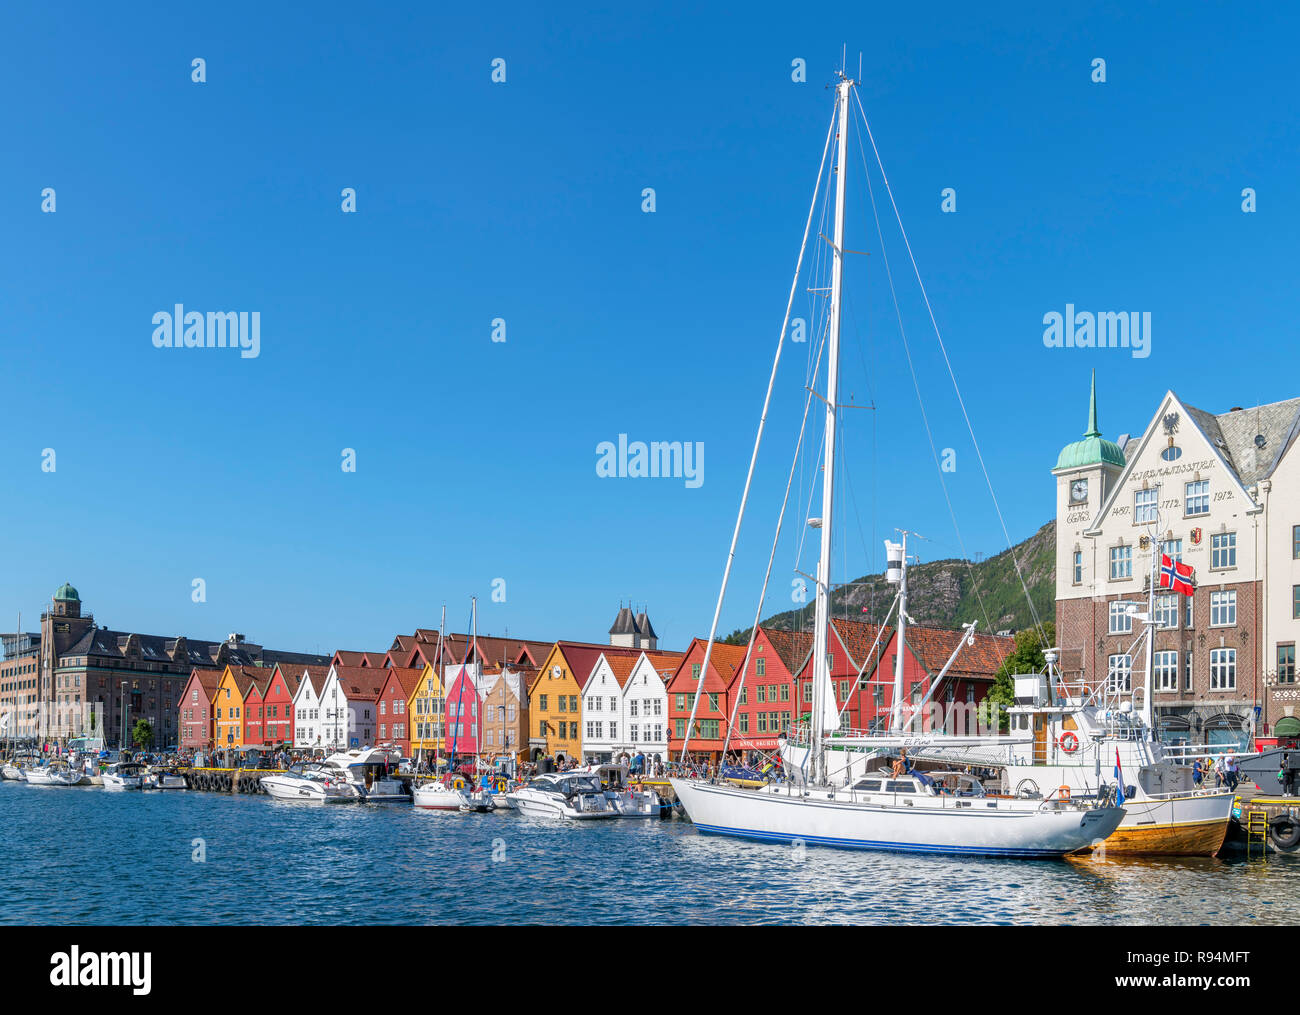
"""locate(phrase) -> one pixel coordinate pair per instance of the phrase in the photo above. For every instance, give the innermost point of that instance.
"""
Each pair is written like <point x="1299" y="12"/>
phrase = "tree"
<point x="142" y="733"/>
<point x="1026" y="657"/>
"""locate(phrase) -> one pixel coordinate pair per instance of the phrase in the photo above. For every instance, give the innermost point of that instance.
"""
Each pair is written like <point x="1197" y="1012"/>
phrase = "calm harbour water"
<point x="280" y="863"/>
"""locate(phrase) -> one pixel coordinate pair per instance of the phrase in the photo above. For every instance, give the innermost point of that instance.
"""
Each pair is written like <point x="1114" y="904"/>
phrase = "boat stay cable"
<point x="951" y="374"/>
<point x="758" y="439"/>
<point x="925" y="418"/>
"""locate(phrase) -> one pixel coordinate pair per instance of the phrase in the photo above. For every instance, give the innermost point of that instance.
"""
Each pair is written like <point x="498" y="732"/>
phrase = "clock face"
<point x="1079" y="490"/>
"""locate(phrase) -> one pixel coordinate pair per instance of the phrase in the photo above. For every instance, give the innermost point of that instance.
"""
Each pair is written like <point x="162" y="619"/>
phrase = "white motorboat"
<point x="12" y="772"/>
<point x="311" y="782"/>
<point x="906" y="813"/>
<point x="162" y="777"/>
<point x="575" y="795"/>
<point x="630" y="803"/>
<point x="124" y="775"/>
<point x="370" y="773"/>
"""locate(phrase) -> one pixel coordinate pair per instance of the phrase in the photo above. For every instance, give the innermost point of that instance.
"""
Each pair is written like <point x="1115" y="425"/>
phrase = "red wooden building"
<point x="394" y="723"/>
<point x="715" y="705"/>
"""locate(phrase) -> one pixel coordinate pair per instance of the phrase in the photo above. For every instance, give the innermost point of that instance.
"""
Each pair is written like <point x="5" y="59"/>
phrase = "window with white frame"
<point x="1121" y="621"/>
<point x="1187" y="621"/>
<point x="1166" y="611"/>
<point x="1078" y="567"/>
<point x="1196" y="498"/>
<point x="1121" y="562"/>
<point x="1223" y="608"/>
<point x="1164" y="670"/>
<point x="1187" y="670"/>
<point x="1119" y="673"/>
<point x="1223" y="669"/>
<point x="1173" y="548"/>
<point x="1144" y="505"/>
<point x="1223" y="550"/>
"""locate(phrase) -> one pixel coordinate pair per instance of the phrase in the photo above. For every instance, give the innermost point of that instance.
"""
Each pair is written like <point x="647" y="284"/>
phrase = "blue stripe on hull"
<point x="897" y="847"/>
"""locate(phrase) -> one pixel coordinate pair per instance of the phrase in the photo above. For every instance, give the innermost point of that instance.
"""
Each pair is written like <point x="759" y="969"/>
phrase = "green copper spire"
<point x="1092" y="430"/>
<point x="1093" y="449"/>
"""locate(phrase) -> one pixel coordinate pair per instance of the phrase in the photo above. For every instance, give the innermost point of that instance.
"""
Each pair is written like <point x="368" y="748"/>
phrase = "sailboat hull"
<point x="999" y="830"/>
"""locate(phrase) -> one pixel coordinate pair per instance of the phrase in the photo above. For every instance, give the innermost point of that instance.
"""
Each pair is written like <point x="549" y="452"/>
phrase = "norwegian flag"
<point x="1176" y="575"/>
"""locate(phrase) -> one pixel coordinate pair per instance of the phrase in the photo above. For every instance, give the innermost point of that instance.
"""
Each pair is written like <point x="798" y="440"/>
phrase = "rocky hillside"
<point x="942" y="593"/>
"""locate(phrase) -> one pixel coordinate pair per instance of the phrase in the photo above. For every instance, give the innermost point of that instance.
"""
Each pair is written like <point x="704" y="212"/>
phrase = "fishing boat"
<point x="311" y="782"/>
<point x="822" y="807"/>
<point x="577" y="796"/>
<point x="124" y="775"/>
<point x="370" y="772"/>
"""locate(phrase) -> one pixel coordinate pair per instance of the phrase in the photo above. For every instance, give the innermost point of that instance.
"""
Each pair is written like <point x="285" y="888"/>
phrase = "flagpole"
<point x="1147" y="711"/>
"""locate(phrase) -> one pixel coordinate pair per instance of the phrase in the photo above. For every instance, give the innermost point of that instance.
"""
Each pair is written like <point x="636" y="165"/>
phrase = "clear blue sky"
<point x="523" y="201"/>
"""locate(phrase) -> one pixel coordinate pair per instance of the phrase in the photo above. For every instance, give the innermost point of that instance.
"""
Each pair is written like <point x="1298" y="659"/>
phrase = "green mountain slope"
<point x="947" y="593"/>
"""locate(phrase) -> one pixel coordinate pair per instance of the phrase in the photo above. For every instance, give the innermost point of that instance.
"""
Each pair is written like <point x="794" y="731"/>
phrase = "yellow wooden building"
<point x="555" y="698"/>
<point x="426" y="709"/>
<point x="228" y="704"/>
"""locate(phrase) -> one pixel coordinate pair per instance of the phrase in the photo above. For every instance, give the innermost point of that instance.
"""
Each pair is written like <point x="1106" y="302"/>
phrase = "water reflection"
<point x="401" y="865"/>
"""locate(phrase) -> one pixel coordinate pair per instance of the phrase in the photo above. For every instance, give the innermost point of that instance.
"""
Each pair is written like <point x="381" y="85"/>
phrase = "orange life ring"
<point x="1064" y="792"/>
<point x="1069" y="742"/>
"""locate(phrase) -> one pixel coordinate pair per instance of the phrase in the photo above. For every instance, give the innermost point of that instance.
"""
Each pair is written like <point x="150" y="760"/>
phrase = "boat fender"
<point x="1284" y="832"/>
<point x="1069" y="742"/>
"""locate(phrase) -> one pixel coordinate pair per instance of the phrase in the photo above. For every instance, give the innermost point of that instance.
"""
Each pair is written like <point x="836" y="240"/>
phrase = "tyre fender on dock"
<point x="1284" y="832"/>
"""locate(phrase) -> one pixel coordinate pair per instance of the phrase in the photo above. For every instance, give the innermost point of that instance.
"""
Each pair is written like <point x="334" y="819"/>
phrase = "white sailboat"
<point x="896" y="812"/>
<point x="1071" y="739"/>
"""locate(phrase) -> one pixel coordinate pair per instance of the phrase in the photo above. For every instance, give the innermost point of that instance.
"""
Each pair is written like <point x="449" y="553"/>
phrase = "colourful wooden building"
<point x="716" y="686"/>
<point x="196" y="709"/>
<point x="554" y="700"/>
<point x="228" y="706"/>
<point x="394" y="718"/>
<point x="427" y="709"/>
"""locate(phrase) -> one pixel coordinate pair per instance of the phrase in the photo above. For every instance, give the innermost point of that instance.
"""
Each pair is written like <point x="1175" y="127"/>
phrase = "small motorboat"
<point x="163" y="777"/>
<point x="578" y="796"/>
<point x="629" y="802"/>
<point x="311" y="782"/>
<point x="370" y="772"/>
<point x="123" y="775"/>
<point x="61" y="774"/>
<point x="446" y="794"/>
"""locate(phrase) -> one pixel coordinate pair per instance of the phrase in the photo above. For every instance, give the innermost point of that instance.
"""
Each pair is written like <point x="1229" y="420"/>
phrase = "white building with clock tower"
<point x="1218" y="492"/>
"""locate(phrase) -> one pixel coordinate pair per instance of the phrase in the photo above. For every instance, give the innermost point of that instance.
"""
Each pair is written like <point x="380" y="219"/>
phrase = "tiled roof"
<point x="582" y="658"/>
<point x="360" y="681"/>
<point x="622" y="666"/>
<point x="407" y="677"/>
<point x="933" y="645"/>
<point x="857" y="637"/>
<point x="793" y="647"/>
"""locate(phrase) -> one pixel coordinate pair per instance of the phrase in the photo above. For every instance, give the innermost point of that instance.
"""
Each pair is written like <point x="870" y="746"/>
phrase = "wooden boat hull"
<point x="1195" y="838"/>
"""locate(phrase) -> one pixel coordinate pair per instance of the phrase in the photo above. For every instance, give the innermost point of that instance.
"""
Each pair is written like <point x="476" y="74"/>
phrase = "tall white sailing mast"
<point x="824" y="709"/>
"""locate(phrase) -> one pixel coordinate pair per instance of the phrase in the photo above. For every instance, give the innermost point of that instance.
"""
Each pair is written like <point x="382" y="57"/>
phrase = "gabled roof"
<point x="724" y="667"/>
<point x="933" y="645"/>
<point x="583" y="656"/>
<point x="792" y="647"/>
<point x="857" y="637"/>
<point x="621" y="666"/>
<point x="406" y="677"/>
<point x="315" y="676"/>
<point x="208" y="680"/>
<point x="664" y="662"/>
<point x="292" y="676"/>
<point x="360" y="681"/>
